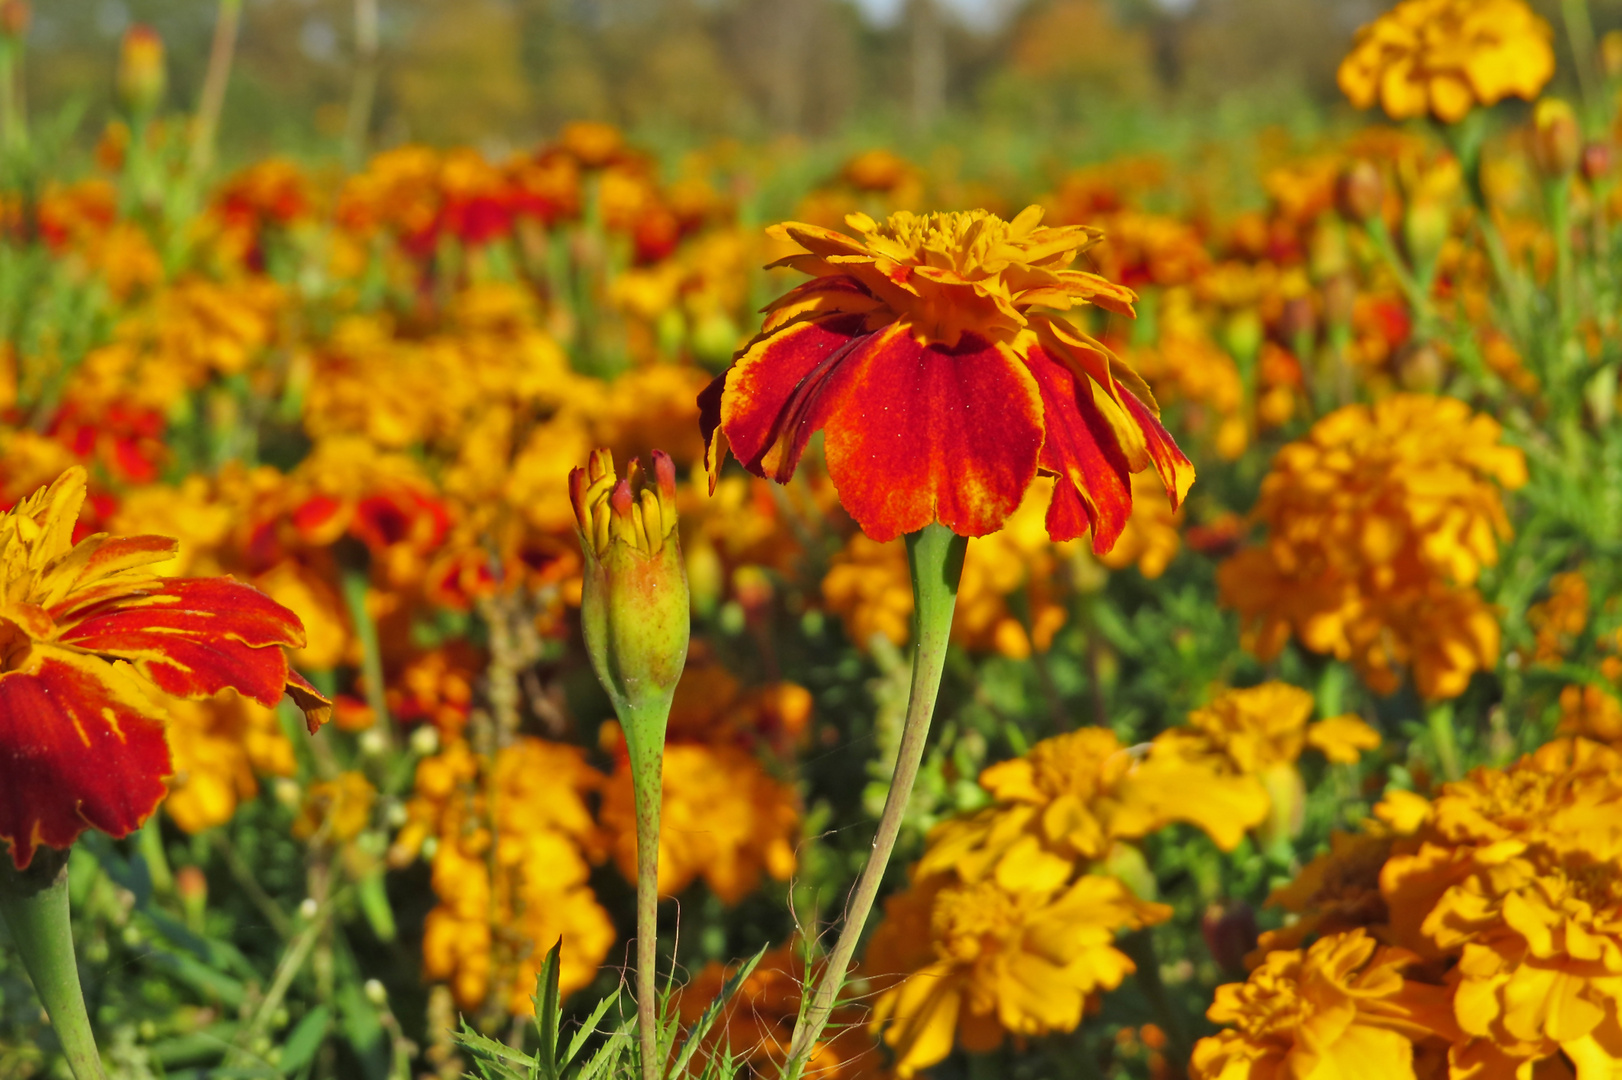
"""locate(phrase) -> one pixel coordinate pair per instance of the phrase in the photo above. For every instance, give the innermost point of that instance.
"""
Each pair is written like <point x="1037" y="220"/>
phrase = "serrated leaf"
<point x="509" y="1064"/>
<point x="607" y="1057"/>
<point x="712" y="1011"/>
<point x="588" y="1028"/>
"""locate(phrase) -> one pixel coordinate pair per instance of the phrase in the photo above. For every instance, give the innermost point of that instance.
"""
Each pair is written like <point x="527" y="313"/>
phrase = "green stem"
<point x="34" y="904"/>
<point x="935" y="555"/>
<point x="1439" y="718"/>
<point x="645" y="740"/>
<point x="1140" y="946"/>
<point x="1580" y="31"/>
<point x="356" y="583"/>
<point x="211" y="102"/>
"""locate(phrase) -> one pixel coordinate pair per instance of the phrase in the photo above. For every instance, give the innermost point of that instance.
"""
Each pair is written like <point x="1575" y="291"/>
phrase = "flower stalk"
<point x="635" y="613"/>
<point x="34" y="904"/>
<point x="935" y="557"/>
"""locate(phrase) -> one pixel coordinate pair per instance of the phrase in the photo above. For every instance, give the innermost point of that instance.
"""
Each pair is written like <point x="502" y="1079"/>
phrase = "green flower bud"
<point x="634" y="607"/>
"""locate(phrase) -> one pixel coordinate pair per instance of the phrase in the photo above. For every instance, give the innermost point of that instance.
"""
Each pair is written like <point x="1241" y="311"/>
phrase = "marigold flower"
<point x="341" y="807"/>
<point x="1340" y="1008"/>
<point x="91" y="638"/>
<point x="1590" y="712"/>
<point x="1003" y="962"/>
<point x="943" y="388"/>
<point x="1379" y="523"/>
<point x="220" y="747"/>
<point x="1443" y="57"/>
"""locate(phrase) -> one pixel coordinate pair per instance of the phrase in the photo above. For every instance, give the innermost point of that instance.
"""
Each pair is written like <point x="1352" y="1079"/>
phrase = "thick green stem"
<point x="647" y="775"/>
<point x="34" y="903"/>
<point x="356" y="584"/>
<point x="935" y="554"/>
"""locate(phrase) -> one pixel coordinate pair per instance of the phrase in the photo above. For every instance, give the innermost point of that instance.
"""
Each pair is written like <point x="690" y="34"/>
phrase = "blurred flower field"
<point x="1281" y="740"/>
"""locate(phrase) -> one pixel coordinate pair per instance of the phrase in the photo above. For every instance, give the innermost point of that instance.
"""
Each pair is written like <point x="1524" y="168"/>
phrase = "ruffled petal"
<point x="774" y="399"/>
<point x="193" y="637"/>
<point x="1176" y="471"/>
<point x="932" y="434"/>
<point x="83" y="747"/>
<point x="1095" y="482"/>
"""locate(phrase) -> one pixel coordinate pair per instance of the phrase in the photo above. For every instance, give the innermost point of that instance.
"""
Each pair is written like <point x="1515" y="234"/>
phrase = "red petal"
<point x="931" y="433"/>
<point x="1095" y="483"/>
<point x="776" y="394"/>
<point x="312" y="702"/>
<point x="709" y="422"/>
<point x="1175" y="470"/>
<point x="193" y="637"/>
<point x="79" y="748"/>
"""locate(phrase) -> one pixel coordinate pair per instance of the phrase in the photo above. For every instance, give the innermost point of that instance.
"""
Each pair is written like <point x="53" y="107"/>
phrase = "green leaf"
<point x="605" y="1061"/>
<point x="588" y="1028"/>
<point x="705" y="1021"/>
<point x="547" y="1016"/>
<point x="305" y="1039"/>
<point x="504" y="1062"/>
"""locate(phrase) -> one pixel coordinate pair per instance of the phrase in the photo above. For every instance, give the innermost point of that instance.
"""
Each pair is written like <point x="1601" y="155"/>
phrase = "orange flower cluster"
<point x="1378" y="525"/>
<point x="1500" y="905"/>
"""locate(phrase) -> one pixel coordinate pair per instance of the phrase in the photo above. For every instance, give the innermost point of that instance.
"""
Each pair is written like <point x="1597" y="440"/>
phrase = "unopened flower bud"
<point x="1230" y="933"/>
<point x="1420" y="368"/>
<point x="1425" y="229"/>
<point x="1596" y="161"/>
<point x="1359" y="191"/>
<point x="634" y="604"/>
<point x="140" y="69"/>
<point x="1557" y="141"/>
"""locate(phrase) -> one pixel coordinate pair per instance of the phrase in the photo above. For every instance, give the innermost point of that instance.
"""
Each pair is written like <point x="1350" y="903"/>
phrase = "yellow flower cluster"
<point x="220" y="748"/>
<point x="1378" y="524"/>
<point x="1502" y="896"/>
<point x="510" y="841"/>
<point x="1007" y="926"/>
<point x="1444" y="57"/>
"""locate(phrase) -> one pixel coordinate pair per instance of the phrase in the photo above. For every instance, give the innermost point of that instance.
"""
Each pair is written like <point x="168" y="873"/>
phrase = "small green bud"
<point x="634" y="606"/>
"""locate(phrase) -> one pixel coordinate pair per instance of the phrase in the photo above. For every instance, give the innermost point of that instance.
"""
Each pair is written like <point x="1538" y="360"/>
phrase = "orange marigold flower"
<point x="1379" y="523"/>
<point x="1443" y="57"/>
<point x="89" y="637"/>
<point x="1340" y="1008"/>
<point x="932" y="353"/>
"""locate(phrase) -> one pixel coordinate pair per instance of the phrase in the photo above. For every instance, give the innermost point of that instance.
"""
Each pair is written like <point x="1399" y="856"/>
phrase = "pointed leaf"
<point x="713" y="1011"/>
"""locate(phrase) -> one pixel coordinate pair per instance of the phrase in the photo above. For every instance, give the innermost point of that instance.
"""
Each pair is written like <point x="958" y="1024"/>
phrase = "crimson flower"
<point x="933" y="354"/>
<point x="91" y="639"/>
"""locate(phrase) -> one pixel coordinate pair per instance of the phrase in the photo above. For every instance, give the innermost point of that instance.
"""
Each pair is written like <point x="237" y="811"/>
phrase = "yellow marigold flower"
<point x="510" y="840"/>
<point x="1592" y="713"/>
<point x="1560" y="618"/>
<point x="724" y="819"/>
<point x="220" y="748"/>
<point x="1339" y="1009"/>
<point x="1068" y="800"/>
<point x="1378" y="525"/>
<point x="1021" y="963"/>
<point x="1339" y="890"/>
<point x="336" y="810"/>
<point x="1444" y="57"/>
<point x="758" y="1021"/>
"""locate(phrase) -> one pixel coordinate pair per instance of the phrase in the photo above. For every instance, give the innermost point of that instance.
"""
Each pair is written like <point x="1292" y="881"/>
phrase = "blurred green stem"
<point x="1580" y="32"/>
<point x="34" y="903"/>
<point x="364" y="90"/>
<point x="1557" y="194"/>
<point x="935" y="555"/>
<point x="356" y="584"/>
<point x="1140" y="946"/>
<point x="211" y="101"/>
<point x="1439" y="718"/>
<point x="13" y="123"/>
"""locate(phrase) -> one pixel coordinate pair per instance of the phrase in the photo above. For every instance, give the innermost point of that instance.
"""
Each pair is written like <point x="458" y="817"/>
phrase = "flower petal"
<point x="947" y="434"/>
<point x="1095" y="486"/>
<point x="1175" y="470"/>
<point x="83" y="747"/>
<point x="193" y="637"/>
<point x="773" y="401"/>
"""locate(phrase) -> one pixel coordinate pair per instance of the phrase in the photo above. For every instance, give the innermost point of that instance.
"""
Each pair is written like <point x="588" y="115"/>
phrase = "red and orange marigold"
<point x="933" y="353"/>
<point x="91" y="639"/>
